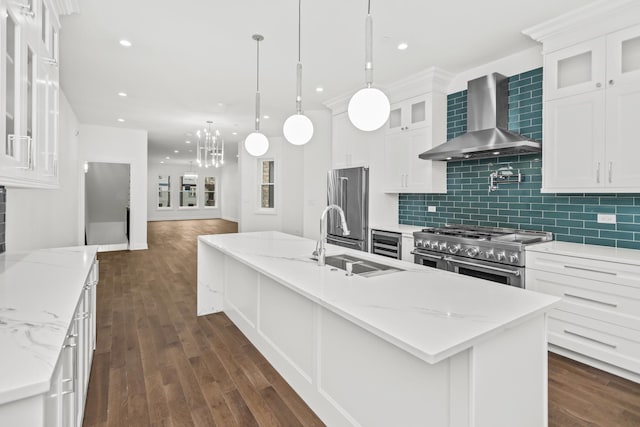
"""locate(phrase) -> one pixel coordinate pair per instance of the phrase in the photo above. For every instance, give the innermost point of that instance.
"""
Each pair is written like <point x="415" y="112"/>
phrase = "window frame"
<point x="274" y="184"/>
<point x="181" y="191"/>
<point x="215" y="192"/>
<point x="169" y="206"/>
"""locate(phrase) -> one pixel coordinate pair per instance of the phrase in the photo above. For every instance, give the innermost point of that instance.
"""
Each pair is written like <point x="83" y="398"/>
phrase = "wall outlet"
<point x="607" y="218"/>
<point x="431" y="208"/>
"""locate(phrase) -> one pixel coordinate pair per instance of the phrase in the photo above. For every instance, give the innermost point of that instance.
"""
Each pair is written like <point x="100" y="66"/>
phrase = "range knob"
<point x="454" y="249"/>
<point x="443" y="246"/>
<point x="489" y="254"/>
<point x="435" y="245"/>
<point x="513" y="258"/>
<point x="473" y="251"/>
<point x="501" y="256"/>
<point x="418" y="243"/>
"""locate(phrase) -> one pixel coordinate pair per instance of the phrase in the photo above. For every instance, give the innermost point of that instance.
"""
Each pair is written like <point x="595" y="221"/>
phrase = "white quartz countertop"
<point x="407" y="230"/>
<point x="604" y="253"/>
<point x="432" y="314"/>
<point x="39" y="292"/>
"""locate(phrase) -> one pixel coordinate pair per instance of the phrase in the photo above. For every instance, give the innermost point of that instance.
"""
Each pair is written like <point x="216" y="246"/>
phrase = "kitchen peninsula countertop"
<point x="604" y="253"/>
<point x="39" y="293"/>
<point x="432" y="314"/>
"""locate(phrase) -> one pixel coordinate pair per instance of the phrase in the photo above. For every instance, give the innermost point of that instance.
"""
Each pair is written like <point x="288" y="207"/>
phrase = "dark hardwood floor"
<point x="158" y="364"/>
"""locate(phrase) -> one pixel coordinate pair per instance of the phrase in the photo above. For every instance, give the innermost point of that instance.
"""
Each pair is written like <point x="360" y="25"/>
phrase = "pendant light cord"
<point x="257" y="65"/>
<point x="299" y="26"/>
<point x="369" y="8"/>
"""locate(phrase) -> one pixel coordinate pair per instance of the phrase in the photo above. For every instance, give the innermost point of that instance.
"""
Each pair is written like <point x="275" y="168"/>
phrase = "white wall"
<point x="317" y="161"/>
<point x="39" y="219"/>
<point x="174" y="212"/>
<point x="230" y="193"/>
<point x="118" y="145"/>
<point x="287" y="215"/>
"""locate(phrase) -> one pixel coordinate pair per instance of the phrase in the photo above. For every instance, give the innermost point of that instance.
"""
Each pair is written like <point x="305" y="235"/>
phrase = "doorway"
<point x="107" y="191"/>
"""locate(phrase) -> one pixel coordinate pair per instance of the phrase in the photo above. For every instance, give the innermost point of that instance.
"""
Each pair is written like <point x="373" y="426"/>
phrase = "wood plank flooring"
<point x="158" y="364"/>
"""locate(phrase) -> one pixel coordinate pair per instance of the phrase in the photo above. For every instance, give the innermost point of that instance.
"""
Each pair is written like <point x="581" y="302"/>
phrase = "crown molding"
<point x="66" y="7"/>
<point x="593" y="20"/>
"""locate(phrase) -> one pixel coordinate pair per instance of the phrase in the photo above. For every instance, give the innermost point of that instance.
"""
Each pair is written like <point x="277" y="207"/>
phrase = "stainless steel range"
<point x="495" y="254"/>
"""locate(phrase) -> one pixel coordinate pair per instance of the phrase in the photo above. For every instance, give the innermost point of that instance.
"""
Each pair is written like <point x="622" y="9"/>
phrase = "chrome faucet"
<point x="321" y="246"/>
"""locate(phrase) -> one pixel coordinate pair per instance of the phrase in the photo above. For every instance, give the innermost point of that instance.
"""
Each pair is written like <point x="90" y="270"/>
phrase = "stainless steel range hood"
<point x="487" y="122"/>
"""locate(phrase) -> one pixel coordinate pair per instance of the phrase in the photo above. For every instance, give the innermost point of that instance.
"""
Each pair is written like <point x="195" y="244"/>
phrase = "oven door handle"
<point x="488" y="267"/>
<point x="427" y="255"/>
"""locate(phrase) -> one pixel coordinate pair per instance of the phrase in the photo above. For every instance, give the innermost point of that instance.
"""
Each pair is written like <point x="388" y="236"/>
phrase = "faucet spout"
<point x="322" y="243"/>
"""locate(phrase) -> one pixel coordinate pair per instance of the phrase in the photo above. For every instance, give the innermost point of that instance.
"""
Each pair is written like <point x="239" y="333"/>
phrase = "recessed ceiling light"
<point x="234" y="133"/>
<point x="265" y="117"/>
<point x="319" y="89"/>
<point x="125" y="43"/>
<point x="122" y="94"/>
<point x="121" y="120"/>
<point x="220" y="104"/>
<point x="167" y="157"/>
<point x="448" y="158"/>
<point x="161" y="161"/>
<point x="495" y="153"/>
<point x="403" y="46"/>
<point x="176" y="151"/>
<point x="187" y="142"/>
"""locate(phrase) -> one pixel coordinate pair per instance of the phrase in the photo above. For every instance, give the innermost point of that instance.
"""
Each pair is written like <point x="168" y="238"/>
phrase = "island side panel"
<point x="509" y="377"/>
<point x="210" y="279"/>
<point x="374" y="383"/>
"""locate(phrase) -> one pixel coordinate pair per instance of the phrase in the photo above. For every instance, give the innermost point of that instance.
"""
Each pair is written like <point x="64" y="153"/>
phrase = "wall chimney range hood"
<point x="487" y="122"/>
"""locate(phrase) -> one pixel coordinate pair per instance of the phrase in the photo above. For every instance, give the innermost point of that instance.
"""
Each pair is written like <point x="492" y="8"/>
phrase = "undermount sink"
<point x="361" y="267"/>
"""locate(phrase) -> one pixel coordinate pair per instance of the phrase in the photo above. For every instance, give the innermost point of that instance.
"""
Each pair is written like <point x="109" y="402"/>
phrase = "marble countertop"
<point x="432" y="314"/>
<point x="604" y="253"/>
<point x="406" y="230"/>
<point x="39" y="293"/>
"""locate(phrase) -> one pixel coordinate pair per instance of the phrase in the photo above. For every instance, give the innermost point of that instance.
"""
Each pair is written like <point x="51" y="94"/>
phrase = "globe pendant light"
<point x="369" y="108"/>
<point x="298" y="128"/>
<point x="256" y="142"/>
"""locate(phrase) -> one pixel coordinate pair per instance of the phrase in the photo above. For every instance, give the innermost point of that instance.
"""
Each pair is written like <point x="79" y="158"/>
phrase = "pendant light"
<point x="210" y="147"/>
<point x="298" y="128"/>
<point x="369" y="108"/>
<point x="257" y="143"/>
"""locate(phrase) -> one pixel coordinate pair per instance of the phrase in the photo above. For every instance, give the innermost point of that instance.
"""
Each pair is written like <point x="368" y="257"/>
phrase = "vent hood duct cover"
<point x="487" y="122"/>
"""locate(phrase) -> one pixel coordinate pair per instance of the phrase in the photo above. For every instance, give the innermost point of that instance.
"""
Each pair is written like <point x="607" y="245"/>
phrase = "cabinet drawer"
<point x="604" y="271"/>
<point x="599" y="340"/>
<point x="608" y="302"/>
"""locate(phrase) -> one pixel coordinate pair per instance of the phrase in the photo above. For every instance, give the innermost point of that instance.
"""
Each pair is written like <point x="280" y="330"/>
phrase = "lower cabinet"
<point x="64" y="403"/>
<point x="598" y="320"/>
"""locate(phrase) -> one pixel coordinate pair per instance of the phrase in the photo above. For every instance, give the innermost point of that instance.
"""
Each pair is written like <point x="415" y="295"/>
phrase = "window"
<point x="188" y="191"/>
<point x="164" y="191"/>
<point x="209" y="191"/>
<point x="267" y="184"/>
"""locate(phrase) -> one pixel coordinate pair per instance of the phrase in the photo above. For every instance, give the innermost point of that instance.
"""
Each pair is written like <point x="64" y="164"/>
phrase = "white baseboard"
<point x="113" y="247"/>
<point x="138" y="246"/>
<point x="230" y="219"/>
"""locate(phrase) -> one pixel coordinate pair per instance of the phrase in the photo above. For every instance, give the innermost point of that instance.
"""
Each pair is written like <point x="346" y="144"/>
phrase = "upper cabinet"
<point x="29" y="92"/>
<point x="591" y="100"/>
<point x="410" y="114"/>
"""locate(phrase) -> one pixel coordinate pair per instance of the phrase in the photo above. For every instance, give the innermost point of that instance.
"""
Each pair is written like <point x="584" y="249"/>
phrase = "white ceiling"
<point x="194" y="60"/>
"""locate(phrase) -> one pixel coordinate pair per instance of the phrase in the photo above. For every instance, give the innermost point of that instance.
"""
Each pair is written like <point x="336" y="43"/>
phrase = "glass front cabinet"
<point x="29" y="93"/>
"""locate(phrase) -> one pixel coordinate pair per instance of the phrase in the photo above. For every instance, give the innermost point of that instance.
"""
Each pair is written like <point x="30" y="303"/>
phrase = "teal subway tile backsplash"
<point x="571" y="217"/>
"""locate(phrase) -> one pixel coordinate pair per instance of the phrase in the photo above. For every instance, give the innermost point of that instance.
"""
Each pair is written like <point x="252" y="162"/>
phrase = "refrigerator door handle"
<point x="343" y="197"/>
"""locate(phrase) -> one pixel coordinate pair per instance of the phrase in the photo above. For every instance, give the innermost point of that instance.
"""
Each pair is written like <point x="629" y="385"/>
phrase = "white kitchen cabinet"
<point x="592" y="99"/>
<point x="29" y="93"/>
<point x="410" y="114"/>
<point x="407" y="248"/>
<point x="598" y="320"/>
<point x="349" y="145"/>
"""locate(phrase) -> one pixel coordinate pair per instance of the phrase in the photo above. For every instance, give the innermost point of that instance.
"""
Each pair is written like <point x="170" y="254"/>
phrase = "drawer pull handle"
<point x="590" y="339"/>
<point x="611" y="273"/>
<point x="590" y="300"/>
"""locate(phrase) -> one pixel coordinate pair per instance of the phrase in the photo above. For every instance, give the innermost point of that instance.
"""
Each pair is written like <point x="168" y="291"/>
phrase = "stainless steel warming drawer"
<point x="386" y="243"/>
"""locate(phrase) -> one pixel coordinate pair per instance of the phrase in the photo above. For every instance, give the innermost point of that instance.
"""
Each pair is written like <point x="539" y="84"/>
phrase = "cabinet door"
<point x="349" y="145"/>
<point x="418" y="176"/>
<point x="407" y="248"/>
<point x="575" y="70"/>
<point x="395" y="167"/>
<point x="573" y="148"/>
<point x="418" y="112"/>
<point x="623" y="57"/>
<point x="622" y="148"/>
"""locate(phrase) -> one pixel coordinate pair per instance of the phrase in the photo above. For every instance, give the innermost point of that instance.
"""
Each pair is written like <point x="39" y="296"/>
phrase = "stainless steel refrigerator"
<point x="349" y="189"/>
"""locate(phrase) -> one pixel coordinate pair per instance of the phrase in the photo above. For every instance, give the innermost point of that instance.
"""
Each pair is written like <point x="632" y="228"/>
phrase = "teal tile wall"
<point x="570" y="217"/>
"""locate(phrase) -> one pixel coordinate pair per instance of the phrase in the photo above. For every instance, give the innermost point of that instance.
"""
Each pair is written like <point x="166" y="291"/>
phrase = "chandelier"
<point x="210" y="150"/>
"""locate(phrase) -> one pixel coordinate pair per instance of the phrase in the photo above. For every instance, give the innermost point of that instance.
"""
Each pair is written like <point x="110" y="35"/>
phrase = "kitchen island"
<point x="413" y="347"/>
